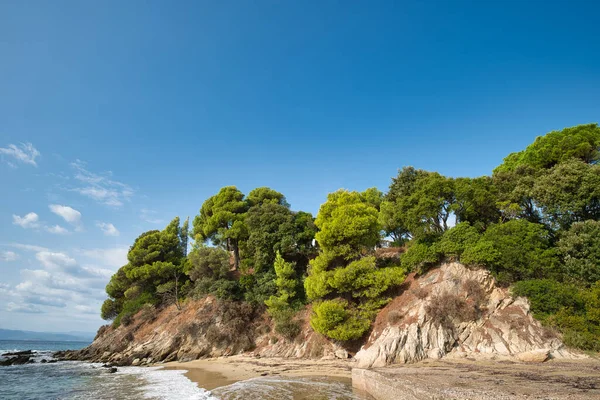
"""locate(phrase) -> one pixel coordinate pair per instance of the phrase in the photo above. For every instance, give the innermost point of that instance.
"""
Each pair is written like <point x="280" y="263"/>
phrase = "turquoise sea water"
<point x="78" y="380"/>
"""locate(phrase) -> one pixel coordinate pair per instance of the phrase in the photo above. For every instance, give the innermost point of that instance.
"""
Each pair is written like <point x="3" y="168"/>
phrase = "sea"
<point x="81" y="380"/>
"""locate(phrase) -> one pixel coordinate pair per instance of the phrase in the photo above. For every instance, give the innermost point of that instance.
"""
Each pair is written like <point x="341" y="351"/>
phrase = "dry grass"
<point x="475" y="291"/>
<point x="101" y="331"/>
<point x="394" y="317"/>
<point x="420" y="293"/>
<point x="147" y="313"/>
<point x="447" y="308"/>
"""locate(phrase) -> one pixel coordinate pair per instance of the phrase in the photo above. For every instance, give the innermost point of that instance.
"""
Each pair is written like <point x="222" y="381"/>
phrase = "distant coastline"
<point x="9" y="334"/>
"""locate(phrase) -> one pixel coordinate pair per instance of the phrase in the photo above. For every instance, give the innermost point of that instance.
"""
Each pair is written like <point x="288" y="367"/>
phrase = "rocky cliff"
<point x="453" y="311"/>
<point x="450" y="311"/>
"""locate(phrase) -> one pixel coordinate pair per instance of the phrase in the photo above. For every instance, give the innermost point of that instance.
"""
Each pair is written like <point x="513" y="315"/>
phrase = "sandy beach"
<point x="212" y="373"/>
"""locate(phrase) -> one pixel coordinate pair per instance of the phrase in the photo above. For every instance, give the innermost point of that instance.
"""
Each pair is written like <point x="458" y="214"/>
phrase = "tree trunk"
<point x="177" y="292"/>
<point x="236" y="256"/>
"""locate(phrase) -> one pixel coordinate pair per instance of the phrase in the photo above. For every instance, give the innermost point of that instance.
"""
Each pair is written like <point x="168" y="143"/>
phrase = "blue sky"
<point x="138" y="111"/>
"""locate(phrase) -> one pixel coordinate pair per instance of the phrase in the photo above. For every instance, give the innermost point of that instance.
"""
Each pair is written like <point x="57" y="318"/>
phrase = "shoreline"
<point x="212" y="373"/>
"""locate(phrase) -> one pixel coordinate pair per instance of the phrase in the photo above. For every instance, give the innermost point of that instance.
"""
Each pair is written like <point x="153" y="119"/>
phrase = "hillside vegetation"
<point x="534" y="223"/>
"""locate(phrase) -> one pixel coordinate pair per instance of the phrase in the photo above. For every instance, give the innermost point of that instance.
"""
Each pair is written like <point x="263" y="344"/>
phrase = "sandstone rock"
<point x="135" y="362"/>
<point x="341" y="353"/>
<point x="503" y="327"/>
<point x="534" y="356"/>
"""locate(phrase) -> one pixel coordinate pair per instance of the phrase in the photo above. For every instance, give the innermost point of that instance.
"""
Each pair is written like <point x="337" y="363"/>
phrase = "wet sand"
<point x="212" y="373"/>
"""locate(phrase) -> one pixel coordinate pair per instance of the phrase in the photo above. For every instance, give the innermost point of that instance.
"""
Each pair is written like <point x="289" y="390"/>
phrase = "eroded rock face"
<point x="453" y="311"/>
<point x="197" y="331"/>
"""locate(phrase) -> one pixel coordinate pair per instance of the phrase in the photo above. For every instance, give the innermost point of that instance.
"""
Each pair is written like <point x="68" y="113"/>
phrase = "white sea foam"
<point x="167" y="384"/>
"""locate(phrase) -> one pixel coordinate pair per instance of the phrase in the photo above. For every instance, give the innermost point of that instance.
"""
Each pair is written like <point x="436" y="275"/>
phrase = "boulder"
<point x="16" y="360"/>
<point x="534" y="356"/>
<point x="341" y="353"/>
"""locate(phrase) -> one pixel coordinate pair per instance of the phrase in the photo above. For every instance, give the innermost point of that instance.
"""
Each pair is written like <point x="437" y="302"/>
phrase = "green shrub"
<point x="579" y="248"/>
<point x="131" y="307"/>
<point x="419" y="256"/>
<point x="335" y="319"/>
<point x="573" y="311"/>
<point x="126" y="318"/>
<point x="548" y="296"/>
<point x="260" y="288"/>
<point x="455" y="240"/>
<point x="514" y="251"/>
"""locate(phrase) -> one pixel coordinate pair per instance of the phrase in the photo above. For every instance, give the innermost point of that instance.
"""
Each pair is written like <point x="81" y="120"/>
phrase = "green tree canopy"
<point x="343" y="278"/>
<point x="221" y="220"/>
<point x="579" y="248"/>
<point x="569" y="192"/>
<point x="275" y="228"/>
<point x="153" y="274"/>
<point x="581" y="142"/>
<point x="476" y="201"/>
<point x="264" y="195"/>
<point x="419" y="202"/>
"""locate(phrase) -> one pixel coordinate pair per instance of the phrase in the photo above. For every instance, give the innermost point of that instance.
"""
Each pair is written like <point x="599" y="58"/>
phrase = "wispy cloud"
<point x="23" y="308"/>
<point x="24" y="153"/>
<point x="150" y="216"/>
<point x="114" y="257"/>
<point x="28" y="247"/>
<point x="57" y="230"/>
<point x="30" y="220"/>
<point x="101" y="188"/>
<point x="9" y="256"/>
<point x="108" y="229"/>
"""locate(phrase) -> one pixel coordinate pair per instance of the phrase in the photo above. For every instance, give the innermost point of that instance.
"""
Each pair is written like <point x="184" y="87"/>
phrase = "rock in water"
<point x="17" y="358"/>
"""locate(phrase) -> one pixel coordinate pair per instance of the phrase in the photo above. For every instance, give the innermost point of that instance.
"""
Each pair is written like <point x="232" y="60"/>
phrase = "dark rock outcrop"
<point x="17" y="358"/>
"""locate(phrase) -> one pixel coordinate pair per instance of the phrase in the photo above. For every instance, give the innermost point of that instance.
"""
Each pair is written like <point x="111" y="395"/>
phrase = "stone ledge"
<point x="462" y="380"/>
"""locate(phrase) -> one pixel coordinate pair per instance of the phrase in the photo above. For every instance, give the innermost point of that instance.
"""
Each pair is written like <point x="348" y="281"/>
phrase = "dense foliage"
<point x="534" y="223"/>
<point x="344" y="281"/>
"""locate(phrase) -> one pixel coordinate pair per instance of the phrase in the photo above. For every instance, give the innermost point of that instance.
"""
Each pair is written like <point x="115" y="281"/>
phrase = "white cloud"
<point x="45" y="301"/>
<point x="9" y="256"/>
<point x="113" y="258"/>
<point x="71" y="215"/>
<point x="98" y="272"/>
<point x="28" y="247"/>
<point x="58" y="283"/>
<point x="24" y="153"/>
<point x="108" y="229"/>
<point x="57" y="230"/>
<point x="55" y="260"/>
<point x="23" y="308"/>
<point x="86" y="309"/>
<point x="101" y="188"/>
<point x="28" y="221"/>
